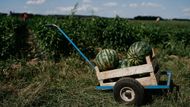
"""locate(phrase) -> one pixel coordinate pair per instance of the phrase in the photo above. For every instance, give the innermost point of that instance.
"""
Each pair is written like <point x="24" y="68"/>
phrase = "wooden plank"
<point x="97" y="72"/>
<point x="98" y="75"/>
<point x="145" y="81"/>
<point x="134" y="70"/>
<point x="153" y="52"/>
<point x="156" y="68"/>
<point x="148" y="60"/>
<point x="108" y="84"/>
<point x="155" y="64"/>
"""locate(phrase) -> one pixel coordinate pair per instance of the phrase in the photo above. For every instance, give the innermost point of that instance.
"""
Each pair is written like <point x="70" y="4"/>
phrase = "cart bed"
<point x="146" y="74"/>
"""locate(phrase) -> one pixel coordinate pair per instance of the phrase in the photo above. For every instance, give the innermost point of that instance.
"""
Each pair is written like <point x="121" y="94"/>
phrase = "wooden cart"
<point x="128" y="84"/>
<point x="144" y="74"/>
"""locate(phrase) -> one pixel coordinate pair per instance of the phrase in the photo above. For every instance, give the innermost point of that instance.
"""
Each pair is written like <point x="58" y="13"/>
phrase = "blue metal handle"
<point x="65" y="35"/>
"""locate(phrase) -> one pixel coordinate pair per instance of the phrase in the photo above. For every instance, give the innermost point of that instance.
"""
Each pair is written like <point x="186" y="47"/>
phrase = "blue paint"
<point x="157" y="87"/>
<point x="65" y="35"/>
<point x="146" y="87"/>
<point x="104" y="87"/>
<point x="169" y="74"/>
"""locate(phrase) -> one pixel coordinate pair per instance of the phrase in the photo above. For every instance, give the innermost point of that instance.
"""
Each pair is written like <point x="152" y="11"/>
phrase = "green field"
<point x="38" y="68"/>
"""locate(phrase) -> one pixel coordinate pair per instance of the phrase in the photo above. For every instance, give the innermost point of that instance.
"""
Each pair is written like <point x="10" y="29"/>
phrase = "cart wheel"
<point x="128" y="91"/>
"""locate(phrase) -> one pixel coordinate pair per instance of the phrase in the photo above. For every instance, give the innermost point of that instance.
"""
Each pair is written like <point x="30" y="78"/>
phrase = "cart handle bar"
<point x="75" y="46"/>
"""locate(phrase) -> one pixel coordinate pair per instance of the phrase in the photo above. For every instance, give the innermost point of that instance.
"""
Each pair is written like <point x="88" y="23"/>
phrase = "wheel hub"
<point x="127" y="94"/>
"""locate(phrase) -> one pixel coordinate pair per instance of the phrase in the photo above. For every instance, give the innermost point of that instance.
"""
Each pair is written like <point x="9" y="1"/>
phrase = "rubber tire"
<point x="134" y="85"/>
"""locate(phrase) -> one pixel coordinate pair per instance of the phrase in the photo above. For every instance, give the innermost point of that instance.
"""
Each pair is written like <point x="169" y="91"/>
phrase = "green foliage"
<point x="116" y="33"/>
<point x="12" y="37"/>
<point x="90" y="33"/>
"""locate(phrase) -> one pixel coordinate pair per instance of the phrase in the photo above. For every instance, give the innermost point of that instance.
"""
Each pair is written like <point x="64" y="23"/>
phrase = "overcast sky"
<point x="107" y="8"/>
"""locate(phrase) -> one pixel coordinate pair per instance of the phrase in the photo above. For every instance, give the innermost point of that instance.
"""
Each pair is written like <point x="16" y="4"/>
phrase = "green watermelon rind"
<point x="137" y="52"/>
<point x="107" y="59"/>
<point x="124" y="63"/>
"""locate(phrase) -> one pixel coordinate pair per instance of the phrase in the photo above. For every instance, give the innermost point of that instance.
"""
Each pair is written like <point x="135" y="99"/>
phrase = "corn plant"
<point x="12" y="37"/>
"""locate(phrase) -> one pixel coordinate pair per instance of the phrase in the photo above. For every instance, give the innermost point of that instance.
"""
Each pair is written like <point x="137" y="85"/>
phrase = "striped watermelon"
<point x="137" y="53"/>
<point x="107" y="59"/>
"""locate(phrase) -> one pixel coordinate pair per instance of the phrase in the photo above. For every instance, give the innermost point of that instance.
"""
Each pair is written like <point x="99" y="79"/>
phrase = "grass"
<point x="71" y="82"/>
<point x="68" y="83"/>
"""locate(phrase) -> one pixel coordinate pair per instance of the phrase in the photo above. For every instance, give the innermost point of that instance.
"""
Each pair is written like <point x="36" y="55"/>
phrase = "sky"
<point x="106" y="8"/>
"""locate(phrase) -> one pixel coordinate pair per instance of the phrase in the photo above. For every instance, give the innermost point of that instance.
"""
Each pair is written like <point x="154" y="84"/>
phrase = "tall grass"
<point x="68" y="83"/>
<point x="71" y="82"/>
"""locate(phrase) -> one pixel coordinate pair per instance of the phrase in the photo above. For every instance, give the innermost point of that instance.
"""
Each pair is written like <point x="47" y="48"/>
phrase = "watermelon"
<point x="137" y="52"/>
<point x="107" y="59"/>
<point x="123" y="63"/>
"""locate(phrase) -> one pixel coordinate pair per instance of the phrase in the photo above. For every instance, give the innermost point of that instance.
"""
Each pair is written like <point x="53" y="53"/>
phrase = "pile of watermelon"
<point x="108" y="59"/>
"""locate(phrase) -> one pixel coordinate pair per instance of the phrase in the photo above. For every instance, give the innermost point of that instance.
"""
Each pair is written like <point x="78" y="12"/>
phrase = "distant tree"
<point x="181" y="19"/>
<point x="3" y="14"/>
<point x="147" y="18"/>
